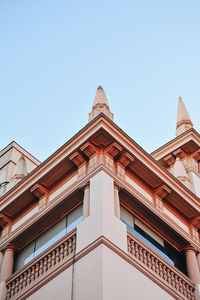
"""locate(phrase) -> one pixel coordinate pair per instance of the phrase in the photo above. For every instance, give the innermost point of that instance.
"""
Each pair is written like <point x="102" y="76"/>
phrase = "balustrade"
<point x="168" y="274"/>
<point x="39" y="267"/>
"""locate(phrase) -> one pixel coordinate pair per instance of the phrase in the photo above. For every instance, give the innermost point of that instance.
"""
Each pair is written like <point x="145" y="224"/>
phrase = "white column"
<point x="86" y="202"/>
<point x="198" y="259"/>
<point x="116" y="199"/>
<point x="7" y="264"/>
<point x="192" y="264"/>
<point x="1" y="258"/>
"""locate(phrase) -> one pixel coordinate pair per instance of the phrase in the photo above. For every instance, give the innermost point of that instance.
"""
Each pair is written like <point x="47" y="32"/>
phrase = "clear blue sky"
<point x="54" y="54"/>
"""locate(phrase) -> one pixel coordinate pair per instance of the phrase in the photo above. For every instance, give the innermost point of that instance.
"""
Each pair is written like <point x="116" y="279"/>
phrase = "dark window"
<point x="49" y="237"/>
<point x="152" y="239"/>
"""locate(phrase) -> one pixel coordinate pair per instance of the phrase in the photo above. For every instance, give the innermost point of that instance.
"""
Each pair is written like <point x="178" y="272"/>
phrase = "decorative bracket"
<point x="114" y="149"/>
<point x="125" y="159"/>
<point x="77" y="159"/>
<point x="162" y="191"/>
<point x="169" y="159"/>
<point x="38" y="190"/>
<point x="88" y="149"/>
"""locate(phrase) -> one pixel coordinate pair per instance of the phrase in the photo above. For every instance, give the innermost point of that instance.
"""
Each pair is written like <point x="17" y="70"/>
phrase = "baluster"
<point x="187" y="291"/>
<point x="29" y="276"/>
<point x="57" y="255"/>
<point x="21" y="282"/>
<point x="37" y="271"/>
<point x="168" y="276"/>
<point x="160" y="269"/>
<point x="156" y="266"/>
<point x="70" y="246"/>
<point x="149" y="260"/>
<point x="41" y="267"/>
<point x="192" y="293"/>
<point x="131" y="248"/>
<point x="25" y="280"/>
<point x="145" y="256"/>
<point x="61" y="252"/>
<point x="9" y="291"/>
<point x="66" y="249"/>
<point x="129" y="244"/>
<point x="13" y="288"/>
<point x="53" y="261"/>
<point x="164" y="273"/>
<point x="136" y="250"/>
<point x="45" y="264"/>
<point x="33" y="274"/>
<point x="141" y="258"/>
<point x="184" y="288"/>
<point x="74" y="244"/>
<point x="172" y="279"/>
<point x="17" y="285"/>
<point x="180" y="285"/>
<point x="153" y="267"/>
<point x="176" y="282"/>
<point x="49" y="261"/>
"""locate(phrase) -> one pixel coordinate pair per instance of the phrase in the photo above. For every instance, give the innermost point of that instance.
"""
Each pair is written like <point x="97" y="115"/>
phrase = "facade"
<point x="101" y="219"/>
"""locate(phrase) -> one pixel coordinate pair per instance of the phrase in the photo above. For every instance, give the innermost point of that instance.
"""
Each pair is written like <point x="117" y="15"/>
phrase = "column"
<point x="1" y="258"/>
<point x="192" y="264"/>
<point x="116" y="201"/>
<point x="86" y="201"/>
<point x="7" y="264"/>
<point x="198" y="259"/>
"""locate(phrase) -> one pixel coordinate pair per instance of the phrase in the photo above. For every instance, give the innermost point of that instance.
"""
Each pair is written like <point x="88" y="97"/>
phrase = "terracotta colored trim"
<point x="177" y="139"/>
<point x="68" y="148"/>
<point x="102" y="122"/>
<point x="7" y="219"/>
<point x="46" y="277"/>
<point x="79" y="184"/>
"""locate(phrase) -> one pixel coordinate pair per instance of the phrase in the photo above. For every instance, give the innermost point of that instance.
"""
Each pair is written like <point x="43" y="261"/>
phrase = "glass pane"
<point x="126" y="216"/>
<point x="49" y="237"/>
<point x="24" y="256"/>
<point x="150" y="232"/>
<point x="74" y="218"/>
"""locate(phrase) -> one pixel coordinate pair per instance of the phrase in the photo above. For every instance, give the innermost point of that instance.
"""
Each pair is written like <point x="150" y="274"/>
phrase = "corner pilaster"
<point x="102" y="220"/>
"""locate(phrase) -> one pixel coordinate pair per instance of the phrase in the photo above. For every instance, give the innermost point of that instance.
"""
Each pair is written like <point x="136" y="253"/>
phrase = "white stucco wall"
<point x="123" y="281"/>
<point x="58" y="288"/>
<point x="101" y="275"/>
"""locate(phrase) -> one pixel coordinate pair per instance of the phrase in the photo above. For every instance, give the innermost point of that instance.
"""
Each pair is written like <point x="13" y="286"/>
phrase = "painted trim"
<point x="60" y="267"/>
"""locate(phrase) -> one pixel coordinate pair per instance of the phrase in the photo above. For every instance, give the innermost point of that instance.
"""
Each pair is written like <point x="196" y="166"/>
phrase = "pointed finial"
<point x="100" y="105"/>
<point x="20" y="168"/>
<point x="183" y="119"/>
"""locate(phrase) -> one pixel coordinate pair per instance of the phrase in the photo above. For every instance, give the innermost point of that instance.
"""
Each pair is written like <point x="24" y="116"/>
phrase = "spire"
<point x="100" y="105"/>
<point x="180" y="172"/>
<point x="20" y="168"/>
<point x="183" y="119"/>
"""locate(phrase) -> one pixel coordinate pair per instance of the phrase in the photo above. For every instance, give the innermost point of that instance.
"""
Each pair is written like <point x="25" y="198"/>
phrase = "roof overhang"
<point x="187" y="143"/>
<point x="101" y="133"/>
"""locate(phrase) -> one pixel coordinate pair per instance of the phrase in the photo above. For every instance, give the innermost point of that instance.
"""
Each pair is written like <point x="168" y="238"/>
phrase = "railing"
<point x="60" y="252"/>
<point x="166" y="273"/>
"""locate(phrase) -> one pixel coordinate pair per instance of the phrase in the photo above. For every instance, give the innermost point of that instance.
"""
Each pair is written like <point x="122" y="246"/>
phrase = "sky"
<point x="54" y="54"/>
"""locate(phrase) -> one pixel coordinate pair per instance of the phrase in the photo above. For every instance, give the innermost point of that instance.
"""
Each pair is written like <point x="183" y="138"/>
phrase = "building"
<point x="101" y="219"/>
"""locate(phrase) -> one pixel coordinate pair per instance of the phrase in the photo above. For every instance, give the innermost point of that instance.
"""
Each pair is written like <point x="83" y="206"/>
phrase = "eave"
<point x="101" y="132"/>
<point x="188" y="143"/>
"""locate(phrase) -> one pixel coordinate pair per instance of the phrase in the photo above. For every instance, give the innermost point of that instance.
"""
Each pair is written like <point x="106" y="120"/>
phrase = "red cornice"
<point x="102" y="122"/>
